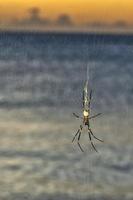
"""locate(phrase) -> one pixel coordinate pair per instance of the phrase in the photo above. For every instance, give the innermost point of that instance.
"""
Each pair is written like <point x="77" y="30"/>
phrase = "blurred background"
<point x="45" y="48"/>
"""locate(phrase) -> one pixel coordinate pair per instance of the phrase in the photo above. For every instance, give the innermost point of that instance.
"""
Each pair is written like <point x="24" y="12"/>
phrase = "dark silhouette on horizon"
<point x="115" y="24"/>
<point x="34" y="18"/>
<point x="64" y="20"/>
<point x="98" y="24"/>
<point x="120" y="24"/>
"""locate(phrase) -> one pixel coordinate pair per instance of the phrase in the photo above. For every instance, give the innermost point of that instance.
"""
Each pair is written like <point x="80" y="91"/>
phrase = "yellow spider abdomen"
<point x="86" y="113"/>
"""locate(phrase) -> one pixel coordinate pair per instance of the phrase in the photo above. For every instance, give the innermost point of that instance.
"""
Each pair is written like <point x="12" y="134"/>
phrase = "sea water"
<point x="41" y="82"/>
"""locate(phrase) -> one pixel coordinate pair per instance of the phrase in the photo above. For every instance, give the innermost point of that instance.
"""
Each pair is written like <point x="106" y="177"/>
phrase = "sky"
<point x="57" y="12"/>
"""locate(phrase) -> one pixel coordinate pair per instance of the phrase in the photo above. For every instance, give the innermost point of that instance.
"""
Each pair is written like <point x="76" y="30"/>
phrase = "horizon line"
<point x="86" y="30"/>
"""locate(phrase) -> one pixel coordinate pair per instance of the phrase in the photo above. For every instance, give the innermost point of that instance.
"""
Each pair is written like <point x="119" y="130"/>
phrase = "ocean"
<point x="41" y="82"/>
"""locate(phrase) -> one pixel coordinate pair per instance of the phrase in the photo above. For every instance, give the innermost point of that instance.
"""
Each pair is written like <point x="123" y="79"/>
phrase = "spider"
<point x="86" y="118"/>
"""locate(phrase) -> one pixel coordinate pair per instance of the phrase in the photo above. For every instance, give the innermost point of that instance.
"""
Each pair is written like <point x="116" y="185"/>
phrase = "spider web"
<point x="96" y="48"/>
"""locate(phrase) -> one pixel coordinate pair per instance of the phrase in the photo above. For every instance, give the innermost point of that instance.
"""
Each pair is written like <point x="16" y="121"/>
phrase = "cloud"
<point x="64" y="20"/>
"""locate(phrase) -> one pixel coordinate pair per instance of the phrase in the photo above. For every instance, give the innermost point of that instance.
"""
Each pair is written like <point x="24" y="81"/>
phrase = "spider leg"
<point x="80" y="147"/>
<point x="94" y="135"/>
<point x="76" y="115"/>
<point x="92" y="142"/>
<point x="90" y="97"/>
<point x="95" y="116"/>
<point x="76" y="135"/>
<point x="79" y="143"/>
<point x="79" y="135"/>
<point x="78" y="132"/>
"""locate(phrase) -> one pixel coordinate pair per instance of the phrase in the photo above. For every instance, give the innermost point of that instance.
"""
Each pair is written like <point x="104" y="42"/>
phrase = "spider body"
<point x="86" y="118"/>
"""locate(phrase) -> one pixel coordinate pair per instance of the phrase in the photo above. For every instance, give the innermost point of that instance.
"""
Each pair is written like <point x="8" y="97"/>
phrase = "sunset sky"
<point x="80" y="11"/>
